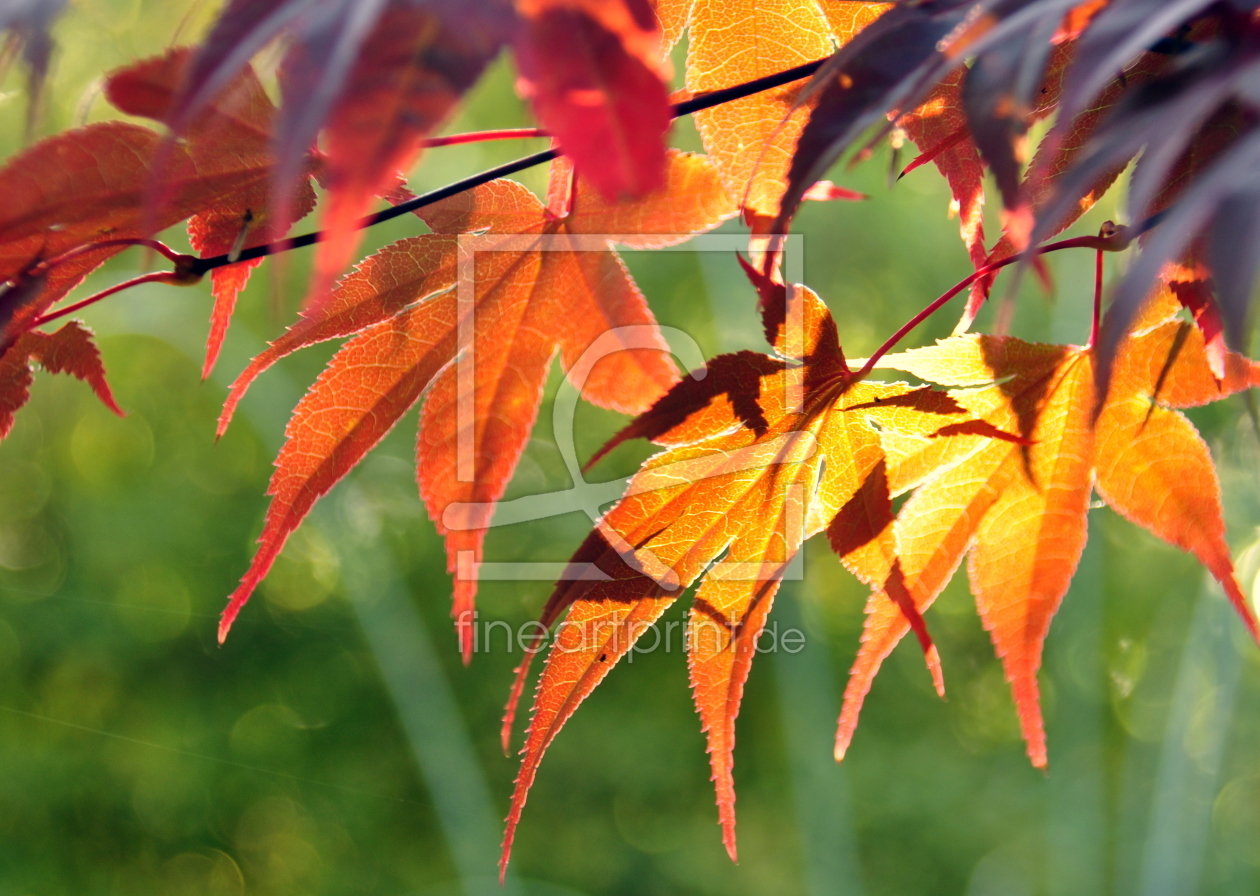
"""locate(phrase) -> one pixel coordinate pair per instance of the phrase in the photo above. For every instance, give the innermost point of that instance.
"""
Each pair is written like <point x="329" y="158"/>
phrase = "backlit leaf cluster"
<point x="996" y="448"/>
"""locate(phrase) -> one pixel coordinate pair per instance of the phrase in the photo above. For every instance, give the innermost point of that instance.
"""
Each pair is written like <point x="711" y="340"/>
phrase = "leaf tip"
<point x="1037" y="755"/>
<point x="933" y="658"/>
<point x="225" y="625"/>
<point x="465" y="622"/>
<point x="207" y="365"/>
<point x="842" y="747"/>
<point x="1028" y="704"/>
<point x="1234" y="592"/>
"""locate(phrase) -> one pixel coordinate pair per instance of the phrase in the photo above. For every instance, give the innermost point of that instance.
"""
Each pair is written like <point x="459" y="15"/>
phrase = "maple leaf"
<point x="881" y="69"/>
<point x="68" y="350"/>
<point x="1020" y="510"/>
<point x="594" y="72"/>
<point x="28" y="23"/>
<point x="373" y="77"/>
<point x="238" y="132"/>
<point x="939" y="124"/>
<point x="1056" y="155"/>
<point x="541" y="289"/>
<point x="67" y="193"/>
<point x="762" y="452"/>
<point x="749" y="140"/>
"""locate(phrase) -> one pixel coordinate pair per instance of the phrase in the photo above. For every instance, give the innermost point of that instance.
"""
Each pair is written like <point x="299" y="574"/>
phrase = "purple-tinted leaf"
<point x="314" y="76"/>
<point x="1233" y="252"/>
<point x="1196" y="105"/>
<point x="881" y="69"/>
<point x="28" y="21"/>
<point x="1234" y="173"/>
<point x="1118" y="34"/>
<point x="242" y="30"/>
<point x="998" y="97"/>
<point x="373" y="77"/>
<point x="1140" y="121"/>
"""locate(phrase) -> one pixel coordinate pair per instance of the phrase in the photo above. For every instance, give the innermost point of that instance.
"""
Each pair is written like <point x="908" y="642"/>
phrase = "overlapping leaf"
<point x="238" y="134"/>
<point x="939" y="126"/>
<point x="540" y="285"/>
<point x="1019" y="511"/>
<point x="891" y="64"/>
<point x="1056" y="156"/>
<point x="762" y="452"/>
<point x="1209" y="51"/>
<point x="86" y="186"/>
<point x="595" y="73"/>
<point x="732" y="42"/>
<point x="28" y="23"/>
<point x="375" y="77"/>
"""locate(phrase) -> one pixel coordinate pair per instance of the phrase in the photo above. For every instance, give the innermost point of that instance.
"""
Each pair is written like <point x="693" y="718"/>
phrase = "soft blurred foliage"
<point x="336" y="744"/>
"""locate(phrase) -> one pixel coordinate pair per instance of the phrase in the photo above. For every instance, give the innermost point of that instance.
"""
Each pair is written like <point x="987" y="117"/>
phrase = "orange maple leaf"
<point x="1020" y="511"/>
<point x="763" y="452"/>
<point x="538" y="287"/>
<point x="939" y="126"/>
<point x="740" y="40"/>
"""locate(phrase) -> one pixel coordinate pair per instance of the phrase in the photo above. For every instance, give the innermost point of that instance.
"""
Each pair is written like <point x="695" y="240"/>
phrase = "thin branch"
<point x="483" y="137"/>
<point x="170" y="277"/>
<point x="695" y="104"/>
<point x="1096" y="320"/>
<point x="156" y="245"/>
<point x="1101" y="243"/>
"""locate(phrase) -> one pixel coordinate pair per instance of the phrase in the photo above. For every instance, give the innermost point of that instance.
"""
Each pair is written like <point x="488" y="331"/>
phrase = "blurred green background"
<point x="337" y="745"/>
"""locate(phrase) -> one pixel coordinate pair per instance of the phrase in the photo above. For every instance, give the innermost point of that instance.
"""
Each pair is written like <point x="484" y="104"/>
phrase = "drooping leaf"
<point x="941" y="120"/>
<point x="1056" y="155"/>
<point x="1117" y="35"/>
<point x="598" y="83"/>
<point x="761" y="454"/>
<point x="1193" y="123"/>
<point x="1020" y="510"/>
<point x="28" y="23"/>
<point x="999" y="94"/>
<point x="537" y="289"/>
<point x="890" y="64"/>
<point x="68" y="350"/>
<point x="373" y="77"/>
<point x="938" y="126"/>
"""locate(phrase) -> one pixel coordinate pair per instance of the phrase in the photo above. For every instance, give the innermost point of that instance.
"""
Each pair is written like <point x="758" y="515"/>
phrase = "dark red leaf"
<point x="69" y="350"/>
<point x="594" y="73"/>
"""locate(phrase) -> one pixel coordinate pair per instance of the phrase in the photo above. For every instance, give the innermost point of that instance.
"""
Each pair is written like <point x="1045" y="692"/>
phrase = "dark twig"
<point x="695" y="104"/>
